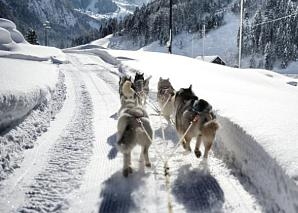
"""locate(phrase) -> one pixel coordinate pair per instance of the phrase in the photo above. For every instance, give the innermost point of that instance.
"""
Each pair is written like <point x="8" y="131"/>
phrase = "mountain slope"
<point x="65" y="22"/>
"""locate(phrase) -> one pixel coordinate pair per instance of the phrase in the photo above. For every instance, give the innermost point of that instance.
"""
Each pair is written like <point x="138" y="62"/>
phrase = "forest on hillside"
<point x="151" y="22"/>
<point x="271" y="34"/>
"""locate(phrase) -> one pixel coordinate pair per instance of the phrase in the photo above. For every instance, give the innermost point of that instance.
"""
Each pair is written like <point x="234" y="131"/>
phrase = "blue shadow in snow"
<point x="114" y="116"/>
<point x="170" y="133"/>
<point x="112" y="141"/>
<point x="117" y="193"/>
<point x="197" y="190"/>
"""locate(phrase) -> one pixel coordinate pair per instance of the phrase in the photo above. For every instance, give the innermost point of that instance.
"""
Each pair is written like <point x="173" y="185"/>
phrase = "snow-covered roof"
<point x="209" y="58"/>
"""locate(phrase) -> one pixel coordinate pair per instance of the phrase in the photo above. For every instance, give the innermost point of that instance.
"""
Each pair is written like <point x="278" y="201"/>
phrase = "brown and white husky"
<point x="189" y="109"/>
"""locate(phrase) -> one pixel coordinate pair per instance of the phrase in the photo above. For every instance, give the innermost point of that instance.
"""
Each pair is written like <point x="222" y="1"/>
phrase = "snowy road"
<point x="75" y="166"/>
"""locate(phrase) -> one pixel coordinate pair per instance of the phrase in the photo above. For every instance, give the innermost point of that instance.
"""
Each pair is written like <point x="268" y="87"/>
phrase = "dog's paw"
<point x="198" y="153"/>
<point x="127" y="171"/>
<point x="186" y="152"/>
<point x="148" y="164"/>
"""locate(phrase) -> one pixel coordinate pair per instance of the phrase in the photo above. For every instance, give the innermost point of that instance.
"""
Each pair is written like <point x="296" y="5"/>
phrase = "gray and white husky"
<point x="188" y="108"/>
<point x="165" y="97"/>
<point x="133" y="128"/>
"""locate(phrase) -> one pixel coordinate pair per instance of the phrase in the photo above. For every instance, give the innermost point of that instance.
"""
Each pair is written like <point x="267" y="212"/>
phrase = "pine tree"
<point x="268" y="57"/>
<point x="257" y="29"/>
<point x="252" y="62"/>
<point x="31" y="37"/>
<point x="246" y="38"/>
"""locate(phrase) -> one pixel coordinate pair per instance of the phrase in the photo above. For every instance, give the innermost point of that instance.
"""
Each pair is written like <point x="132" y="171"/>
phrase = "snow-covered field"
<point x="74" y="166"/>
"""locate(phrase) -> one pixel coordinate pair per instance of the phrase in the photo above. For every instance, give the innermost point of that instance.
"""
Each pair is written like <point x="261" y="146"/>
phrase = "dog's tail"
<point x="210" y="127"/>
<point x="125" y="134"/>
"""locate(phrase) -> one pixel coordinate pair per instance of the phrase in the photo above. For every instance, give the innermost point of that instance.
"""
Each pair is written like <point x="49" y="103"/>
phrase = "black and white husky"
<point x="133" y="128"/>
<point x="141" y="86"/>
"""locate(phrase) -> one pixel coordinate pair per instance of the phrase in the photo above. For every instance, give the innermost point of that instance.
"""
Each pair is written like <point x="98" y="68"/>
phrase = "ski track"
<point x="80" y="169"/>
<point x="60" y="158"/>
<point x="67" y="159"/>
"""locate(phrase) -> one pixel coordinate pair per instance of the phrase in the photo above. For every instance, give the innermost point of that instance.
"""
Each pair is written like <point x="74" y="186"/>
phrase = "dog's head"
<point x="186" y="94"/>
<point x="122" y="80"/>
<point x="139" y="76"/>
<point x="164" y="83"/>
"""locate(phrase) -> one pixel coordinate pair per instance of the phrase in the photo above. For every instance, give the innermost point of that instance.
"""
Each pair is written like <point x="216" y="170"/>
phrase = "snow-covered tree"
<point x="268" y="56"/>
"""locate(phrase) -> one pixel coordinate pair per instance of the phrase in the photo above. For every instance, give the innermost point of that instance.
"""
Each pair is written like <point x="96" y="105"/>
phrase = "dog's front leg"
<point x="198" y="144"/>
<point x="207" y="143"/>
<point x="146" y="156"/>
<point x="186" y="144"/>
<point x="127" y="162"/>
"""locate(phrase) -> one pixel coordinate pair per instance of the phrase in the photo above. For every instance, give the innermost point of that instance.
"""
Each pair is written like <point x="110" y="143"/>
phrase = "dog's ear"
<point x="168" y="79"/>
<point x="160" y="78"/>
<point x="129" y="78"/>
<point x="190" y="87"/>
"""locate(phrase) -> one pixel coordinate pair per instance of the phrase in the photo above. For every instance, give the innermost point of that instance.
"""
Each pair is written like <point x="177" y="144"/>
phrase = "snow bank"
<point x="260" y="103"/>
<point x="5" y="37"/>
<point x="31" y="93"/>
<point x="276" y="190"/>
<point x="24" y="85"/>
<point x="13" y="34"/>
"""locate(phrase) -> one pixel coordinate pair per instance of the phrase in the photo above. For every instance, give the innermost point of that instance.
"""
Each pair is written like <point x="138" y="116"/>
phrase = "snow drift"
<point x="31" y="93"/>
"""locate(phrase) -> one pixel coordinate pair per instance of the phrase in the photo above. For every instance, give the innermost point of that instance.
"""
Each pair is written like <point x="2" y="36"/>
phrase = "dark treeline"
<point x="151" y="22"/>
<point x="275" y="41"/>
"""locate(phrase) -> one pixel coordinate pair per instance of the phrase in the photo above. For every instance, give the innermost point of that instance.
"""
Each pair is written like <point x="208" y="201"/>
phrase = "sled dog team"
<point x="194" y="117"/>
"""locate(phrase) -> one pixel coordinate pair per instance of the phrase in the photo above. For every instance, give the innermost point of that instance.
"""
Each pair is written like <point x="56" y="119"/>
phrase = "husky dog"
<point x="189" y="109"/>
<point x="126" y="91"/>
<point x="121" y="82"/>
<point x="165" y="97"/>
<point x="133" y="128"/>
<point x="141" y="87"/>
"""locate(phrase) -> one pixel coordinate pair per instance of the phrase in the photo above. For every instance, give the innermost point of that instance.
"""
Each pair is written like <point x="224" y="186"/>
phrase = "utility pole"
<point x="170" y="29"/>
<point x="240" y="33"/>
<point x="204" y="32"/>
<point x="46" y="26"/>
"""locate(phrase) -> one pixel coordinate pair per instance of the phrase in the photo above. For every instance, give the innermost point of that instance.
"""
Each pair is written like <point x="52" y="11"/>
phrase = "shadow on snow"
<point x="197" y="190"/>
<point x="117" y="194"/>
<point x="112" y="141"/>
<point x="170" y="133"/>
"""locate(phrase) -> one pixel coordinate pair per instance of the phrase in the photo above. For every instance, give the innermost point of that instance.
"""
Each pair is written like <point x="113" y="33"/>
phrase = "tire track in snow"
<point x="67" y="159"/>
<point x="12" y="190"/>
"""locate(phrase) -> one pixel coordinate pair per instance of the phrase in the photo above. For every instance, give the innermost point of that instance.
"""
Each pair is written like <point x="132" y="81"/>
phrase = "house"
<point x="212" y="59"/>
